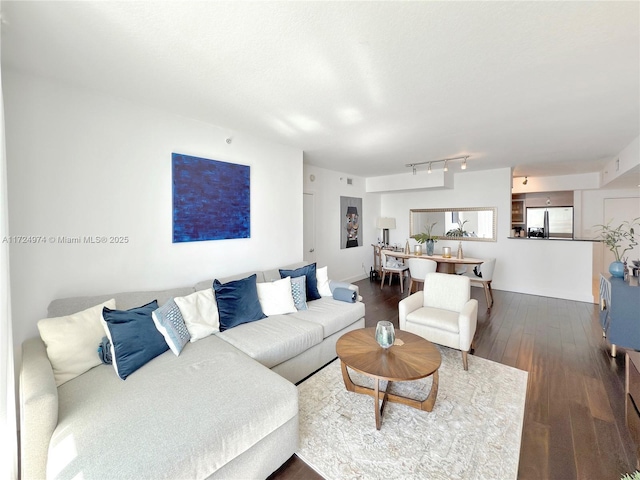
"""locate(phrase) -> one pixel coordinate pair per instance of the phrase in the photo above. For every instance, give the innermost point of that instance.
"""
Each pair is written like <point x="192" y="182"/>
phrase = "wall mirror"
<point x="474" y="224"/>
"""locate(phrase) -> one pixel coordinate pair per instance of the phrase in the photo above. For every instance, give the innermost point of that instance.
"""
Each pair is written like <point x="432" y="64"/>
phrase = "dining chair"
<point x="392" y="268"/>
<point x="485" y="271"/>
<point x="418" y="269"/>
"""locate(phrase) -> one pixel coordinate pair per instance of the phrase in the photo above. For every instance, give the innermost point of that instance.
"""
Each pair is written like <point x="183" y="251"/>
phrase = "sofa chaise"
<point x="225" y="407"/>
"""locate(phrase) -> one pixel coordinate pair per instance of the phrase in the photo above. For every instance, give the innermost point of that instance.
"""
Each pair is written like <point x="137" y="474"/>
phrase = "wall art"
<point x="350" y="213"/>
<point x="211" y="199"/>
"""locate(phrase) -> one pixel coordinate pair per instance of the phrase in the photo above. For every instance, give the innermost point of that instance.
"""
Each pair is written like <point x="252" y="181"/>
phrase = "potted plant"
<point x="427" y="237"/>
<point x="619" y="240"/>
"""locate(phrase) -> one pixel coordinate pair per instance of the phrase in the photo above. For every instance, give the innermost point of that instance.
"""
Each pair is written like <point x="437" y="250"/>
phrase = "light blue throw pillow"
<point x="169" y="322"/>
<point x="299" y="292"/>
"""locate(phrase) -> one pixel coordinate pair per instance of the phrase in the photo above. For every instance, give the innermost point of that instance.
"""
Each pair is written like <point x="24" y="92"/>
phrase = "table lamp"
<point x="385" y="223"/>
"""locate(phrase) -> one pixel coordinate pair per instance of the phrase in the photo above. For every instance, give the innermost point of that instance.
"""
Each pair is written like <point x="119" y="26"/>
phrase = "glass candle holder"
<point x="417" y="250"/>
<point x="385" y="334"/>
<point x="446" y="252"/>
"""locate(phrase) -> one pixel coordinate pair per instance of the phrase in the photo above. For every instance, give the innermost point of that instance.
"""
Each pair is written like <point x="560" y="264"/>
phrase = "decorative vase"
<point x="430" y="244"/>
<point x="616" y="269"/>
<point x="385" y="334"/>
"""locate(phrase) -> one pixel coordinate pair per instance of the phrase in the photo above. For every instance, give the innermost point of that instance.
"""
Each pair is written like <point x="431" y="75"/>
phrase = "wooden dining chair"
<point x="418" y="269"/>
<point x="486" y="270"/>
<point x="401" y="270"/>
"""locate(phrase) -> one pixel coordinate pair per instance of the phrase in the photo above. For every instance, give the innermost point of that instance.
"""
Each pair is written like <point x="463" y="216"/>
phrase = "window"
<point x="560" y="220"/>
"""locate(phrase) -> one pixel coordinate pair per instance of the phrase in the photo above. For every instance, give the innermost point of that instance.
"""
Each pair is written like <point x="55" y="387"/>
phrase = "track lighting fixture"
<point x="525" y="181"/>
<point x="444" y="160"/>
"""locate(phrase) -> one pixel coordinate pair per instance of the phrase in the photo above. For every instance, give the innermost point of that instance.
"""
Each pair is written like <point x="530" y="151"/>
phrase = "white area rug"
<point x="473" y="432"/>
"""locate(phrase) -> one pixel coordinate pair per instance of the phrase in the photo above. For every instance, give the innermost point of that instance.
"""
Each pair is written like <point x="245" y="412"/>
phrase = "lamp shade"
<point x="386" y="222"/>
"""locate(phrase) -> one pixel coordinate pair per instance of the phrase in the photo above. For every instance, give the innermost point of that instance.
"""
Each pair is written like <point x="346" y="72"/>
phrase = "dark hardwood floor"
<point x="574" y="416"/>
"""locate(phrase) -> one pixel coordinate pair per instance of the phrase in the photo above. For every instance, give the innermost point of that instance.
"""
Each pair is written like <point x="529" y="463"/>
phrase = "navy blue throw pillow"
<point x="134" y="337"/>
<point x="309" y="271"/>
<point x="237" y="302"/>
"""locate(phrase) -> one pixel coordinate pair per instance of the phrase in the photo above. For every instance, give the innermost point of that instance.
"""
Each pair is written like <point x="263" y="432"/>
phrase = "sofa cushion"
<point x="331" y="314"/>
<point x="436" y="318"/>
<point x="275" y="339"/>
<point x="178" y="417"/>
<point x="238" y="302"/>
<point x="72" y="341"/>
<point x="200" y="313"/>
<point x="134" y="338"/>
<point x="170" y="323"/>
<point x="276" y="297"/>
<point x="309" y="271"/>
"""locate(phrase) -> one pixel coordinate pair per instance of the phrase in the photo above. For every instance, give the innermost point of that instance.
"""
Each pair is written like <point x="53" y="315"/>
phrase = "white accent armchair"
<point x="444" y="313"/>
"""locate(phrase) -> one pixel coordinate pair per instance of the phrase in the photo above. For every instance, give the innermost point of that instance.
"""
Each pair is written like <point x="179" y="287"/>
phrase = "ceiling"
<point x="547" y="88"/>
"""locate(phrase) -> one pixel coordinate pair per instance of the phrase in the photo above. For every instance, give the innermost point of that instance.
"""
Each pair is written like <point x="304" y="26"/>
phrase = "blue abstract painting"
<point x="211" y="199"/>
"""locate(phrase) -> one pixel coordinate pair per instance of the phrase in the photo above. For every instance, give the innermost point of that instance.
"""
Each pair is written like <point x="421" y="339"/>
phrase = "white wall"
<point x="553" y="268"/>
<point x="80" y="164"/>
<point x="348" y="264"/>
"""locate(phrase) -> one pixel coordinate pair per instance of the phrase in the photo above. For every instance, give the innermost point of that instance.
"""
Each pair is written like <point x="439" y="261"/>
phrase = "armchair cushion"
<point x="437" y="318"/>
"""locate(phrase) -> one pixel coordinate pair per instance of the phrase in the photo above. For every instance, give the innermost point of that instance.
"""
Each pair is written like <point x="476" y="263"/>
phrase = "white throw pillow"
<point x="200" y="313"/>
<point x="275" y="297"/>
<point x="72" y="341"/>
<point x="322" y="277"/>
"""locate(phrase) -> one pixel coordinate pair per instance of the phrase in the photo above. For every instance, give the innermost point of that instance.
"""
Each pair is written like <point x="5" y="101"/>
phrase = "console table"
<point x="620" y="312"/>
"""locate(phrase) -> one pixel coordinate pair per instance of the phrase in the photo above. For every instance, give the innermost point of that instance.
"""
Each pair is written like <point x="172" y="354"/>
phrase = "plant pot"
<point x="616" y="269"/>
<point x="430" y="245"/>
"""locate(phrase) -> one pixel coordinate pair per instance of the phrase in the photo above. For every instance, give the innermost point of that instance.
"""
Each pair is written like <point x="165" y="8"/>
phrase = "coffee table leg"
<point x="348" y="384"/>
<point x="379" y="407"/>
<point x="430" y="401"/>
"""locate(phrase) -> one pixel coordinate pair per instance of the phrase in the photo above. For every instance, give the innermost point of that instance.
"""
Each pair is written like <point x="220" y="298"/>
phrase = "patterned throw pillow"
<point x="299" y="292"/>
<point x="170" y="324"/>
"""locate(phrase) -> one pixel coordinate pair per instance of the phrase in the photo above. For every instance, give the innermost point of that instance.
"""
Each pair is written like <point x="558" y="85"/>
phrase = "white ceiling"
<point x="548" y="88"/>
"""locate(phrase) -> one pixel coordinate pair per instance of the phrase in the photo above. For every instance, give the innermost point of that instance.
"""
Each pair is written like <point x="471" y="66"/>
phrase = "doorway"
<point x="309" y="227"/>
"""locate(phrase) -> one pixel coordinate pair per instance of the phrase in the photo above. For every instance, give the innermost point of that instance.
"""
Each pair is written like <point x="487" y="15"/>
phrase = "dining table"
<point x="445" y="264"/>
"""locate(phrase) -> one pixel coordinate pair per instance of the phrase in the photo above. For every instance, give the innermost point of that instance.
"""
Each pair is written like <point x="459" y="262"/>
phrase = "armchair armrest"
<point x="38" y="408"/>
<point x="408" y="305"/>
<point x="468" y="321"/>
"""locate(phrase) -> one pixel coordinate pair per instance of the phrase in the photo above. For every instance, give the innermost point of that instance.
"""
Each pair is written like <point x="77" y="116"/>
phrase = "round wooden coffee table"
<point x="410" y="358"/>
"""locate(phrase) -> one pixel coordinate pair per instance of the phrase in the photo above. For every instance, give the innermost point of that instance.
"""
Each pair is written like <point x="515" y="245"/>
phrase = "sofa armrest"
<point x="38" y="408"/>
<point x="468" y="321"/>
<point x="408" y="305"/>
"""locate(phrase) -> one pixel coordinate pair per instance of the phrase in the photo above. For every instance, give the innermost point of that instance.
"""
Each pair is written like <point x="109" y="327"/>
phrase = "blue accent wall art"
<point x="211" y="199"/>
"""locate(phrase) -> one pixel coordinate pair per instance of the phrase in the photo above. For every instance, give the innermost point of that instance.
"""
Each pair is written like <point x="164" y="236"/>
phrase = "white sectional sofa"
<point x="226" y="407"/>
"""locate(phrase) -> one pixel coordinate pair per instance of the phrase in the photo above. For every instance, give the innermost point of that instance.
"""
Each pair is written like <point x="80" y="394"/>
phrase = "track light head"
<point x="525" y="181"/>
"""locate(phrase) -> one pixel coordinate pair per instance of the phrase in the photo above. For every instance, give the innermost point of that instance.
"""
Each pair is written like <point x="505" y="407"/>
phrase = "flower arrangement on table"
<point x="427" y="237"/>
